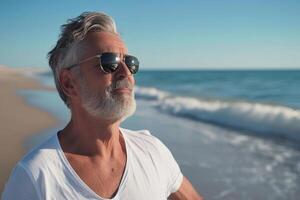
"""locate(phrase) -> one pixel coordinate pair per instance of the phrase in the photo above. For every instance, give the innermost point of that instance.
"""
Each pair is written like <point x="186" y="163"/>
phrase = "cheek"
<point x="97" y="77"/>
<point x="102" y="82"/>
<point x="94" y="84"/>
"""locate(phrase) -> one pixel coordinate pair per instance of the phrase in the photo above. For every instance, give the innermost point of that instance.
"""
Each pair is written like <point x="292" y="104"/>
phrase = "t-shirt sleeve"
<point x="173" y="173"/>
<point x="20" y="186"/>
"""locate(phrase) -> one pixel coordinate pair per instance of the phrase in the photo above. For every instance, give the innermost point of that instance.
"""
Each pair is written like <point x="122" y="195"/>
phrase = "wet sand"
<point x="18" y="120"/>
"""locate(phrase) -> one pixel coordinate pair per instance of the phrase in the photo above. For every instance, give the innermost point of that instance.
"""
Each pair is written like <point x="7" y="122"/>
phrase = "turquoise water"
<point x="274" y="87"/>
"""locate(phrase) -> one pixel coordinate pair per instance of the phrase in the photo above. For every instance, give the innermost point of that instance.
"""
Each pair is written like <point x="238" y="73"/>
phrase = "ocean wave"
<point x="150" y="93"/>
<point x="255" y="117"/>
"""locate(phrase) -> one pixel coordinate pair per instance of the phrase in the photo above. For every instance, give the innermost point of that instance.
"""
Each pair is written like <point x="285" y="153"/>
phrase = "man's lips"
<point x="122" y="90"/>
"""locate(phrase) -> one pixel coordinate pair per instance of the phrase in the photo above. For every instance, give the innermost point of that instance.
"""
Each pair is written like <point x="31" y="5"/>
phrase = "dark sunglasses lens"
<point x="109" y="62"/>
<point x="132" y="64"/>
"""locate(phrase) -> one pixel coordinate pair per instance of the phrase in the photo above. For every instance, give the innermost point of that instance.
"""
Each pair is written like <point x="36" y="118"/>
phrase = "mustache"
<point x="124" y="83"/>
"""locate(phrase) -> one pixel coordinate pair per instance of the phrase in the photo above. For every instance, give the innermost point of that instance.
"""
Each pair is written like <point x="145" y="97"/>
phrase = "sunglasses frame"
<point x="99" y="58"/>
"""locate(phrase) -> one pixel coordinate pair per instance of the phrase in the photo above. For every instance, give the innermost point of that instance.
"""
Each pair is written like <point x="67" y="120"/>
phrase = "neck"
<point x="91" y="136"/>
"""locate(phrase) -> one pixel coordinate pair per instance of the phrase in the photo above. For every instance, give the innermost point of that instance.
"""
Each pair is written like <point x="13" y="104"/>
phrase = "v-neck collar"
<point x="82" y="184"/>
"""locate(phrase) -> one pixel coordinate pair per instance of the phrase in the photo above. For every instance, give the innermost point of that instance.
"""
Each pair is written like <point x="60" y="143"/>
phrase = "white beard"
<point x="109" y="106"/>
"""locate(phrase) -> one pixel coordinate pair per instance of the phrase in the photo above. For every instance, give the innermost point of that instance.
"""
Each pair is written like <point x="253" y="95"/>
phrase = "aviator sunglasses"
<point x="109" y="62"/>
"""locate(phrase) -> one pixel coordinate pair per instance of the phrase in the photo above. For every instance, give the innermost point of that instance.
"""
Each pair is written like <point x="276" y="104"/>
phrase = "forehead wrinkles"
<point x="99" y="42"/>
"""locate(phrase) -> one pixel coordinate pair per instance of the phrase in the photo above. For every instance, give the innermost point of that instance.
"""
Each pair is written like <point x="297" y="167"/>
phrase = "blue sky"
<point x="223" y="34"/>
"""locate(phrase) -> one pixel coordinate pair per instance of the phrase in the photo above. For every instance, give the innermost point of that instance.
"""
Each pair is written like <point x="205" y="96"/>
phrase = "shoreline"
<point x="19" y="120"/>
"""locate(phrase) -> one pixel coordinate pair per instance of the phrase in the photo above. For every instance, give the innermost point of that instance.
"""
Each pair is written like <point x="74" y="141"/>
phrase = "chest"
<point x="103" y="177"/>
<point x="140" y="178"/>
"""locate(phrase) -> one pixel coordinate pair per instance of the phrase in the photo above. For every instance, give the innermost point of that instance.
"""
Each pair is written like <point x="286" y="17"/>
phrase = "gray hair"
<point x="68" y="50"/>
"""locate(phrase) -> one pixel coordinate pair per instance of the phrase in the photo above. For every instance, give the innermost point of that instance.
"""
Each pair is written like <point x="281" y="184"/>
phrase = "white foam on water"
<point x="256" y="117"/>
<point x="149" y="93"/>
<point x="225" y="193"/>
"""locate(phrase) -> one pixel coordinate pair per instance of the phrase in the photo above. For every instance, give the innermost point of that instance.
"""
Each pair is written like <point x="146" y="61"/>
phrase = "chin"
<point x="113" y="112"/>
<point x="112" y="107"/>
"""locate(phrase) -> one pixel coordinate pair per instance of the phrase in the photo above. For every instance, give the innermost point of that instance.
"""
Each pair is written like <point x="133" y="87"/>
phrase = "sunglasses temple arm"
<point x="70" y="67"/>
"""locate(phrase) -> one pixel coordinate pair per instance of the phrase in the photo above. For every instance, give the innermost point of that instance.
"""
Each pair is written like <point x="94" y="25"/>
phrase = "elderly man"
<point x="92" y="157"/>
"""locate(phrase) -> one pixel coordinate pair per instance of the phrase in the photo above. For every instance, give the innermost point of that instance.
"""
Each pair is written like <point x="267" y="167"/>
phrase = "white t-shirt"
<point x="150" y="172"/>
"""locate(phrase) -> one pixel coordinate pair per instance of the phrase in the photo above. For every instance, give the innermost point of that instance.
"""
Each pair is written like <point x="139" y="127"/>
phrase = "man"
<point x="92" y="157"/>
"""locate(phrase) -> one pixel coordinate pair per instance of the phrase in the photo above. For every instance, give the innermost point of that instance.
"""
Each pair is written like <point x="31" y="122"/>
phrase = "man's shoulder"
<point x="39" y="166"/>
<point x="138" y="135"/>
<point x="144" y="139"/>
<point x="41" y="155"/>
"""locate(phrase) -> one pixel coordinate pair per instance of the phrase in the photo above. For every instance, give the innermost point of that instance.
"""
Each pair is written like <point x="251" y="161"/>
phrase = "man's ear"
<point x="68" y="83"/>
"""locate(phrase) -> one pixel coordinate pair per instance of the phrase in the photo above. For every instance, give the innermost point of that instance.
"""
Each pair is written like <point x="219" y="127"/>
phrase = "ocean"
<point x="235" y="134"/>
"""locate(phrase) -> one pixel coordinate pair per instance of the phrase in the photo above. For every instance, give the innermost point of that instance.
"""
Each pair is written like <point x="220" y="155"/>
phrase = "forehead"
<point x="99" y="42"/>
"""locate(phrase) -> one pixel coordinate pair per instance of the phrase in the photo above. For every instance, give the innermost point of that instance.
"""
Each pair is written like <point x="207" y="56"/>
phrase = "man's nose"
<point x="123" y="71"/>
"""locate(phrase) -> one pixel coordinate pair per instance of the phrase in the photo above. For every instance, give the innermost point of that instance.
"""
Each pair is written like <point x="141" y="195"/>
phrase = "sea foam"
<point x="255" y="117"/>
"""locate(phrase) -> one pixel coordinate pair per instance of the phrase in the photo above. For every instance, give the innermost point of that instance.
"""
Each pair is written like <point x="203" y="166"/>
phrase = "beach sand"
<point x="18" y="120"/>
